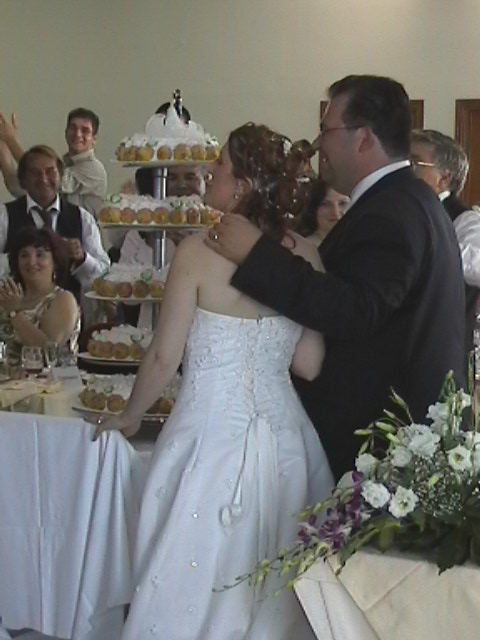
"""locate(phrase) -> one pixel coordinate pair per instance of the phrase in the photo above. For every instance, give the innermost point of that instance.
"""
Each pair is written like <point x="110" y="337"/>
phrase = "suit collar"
<point x="369" y="181"/>
<point x="393" y="178"/>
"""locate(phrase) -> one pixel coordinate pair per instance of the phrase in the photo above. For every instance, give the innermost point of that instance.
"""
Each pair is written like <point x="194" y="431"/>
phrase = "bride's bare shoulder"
<point x="193" y="250"/>
<point x="304" y="248"/>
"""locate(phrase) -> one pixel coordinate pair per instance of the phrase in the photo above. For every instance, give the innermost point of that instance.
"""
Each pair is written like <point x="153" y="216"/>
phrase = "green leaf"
<point x="364" y="447"/>
<point x="393" y="438"/>
<point x="363" y="432"/>
<point x="401" y="403"/>
<point x="385" y="426"/>
<point x="453" y="549"/>
<point x="419" y="518"/>
<point x="386" y="538"/>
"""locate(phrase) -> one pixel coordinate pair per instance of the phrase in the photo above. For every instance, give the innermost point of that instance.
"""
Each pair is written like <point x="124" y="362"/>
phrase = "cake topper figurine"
<point x="177" y="102"/>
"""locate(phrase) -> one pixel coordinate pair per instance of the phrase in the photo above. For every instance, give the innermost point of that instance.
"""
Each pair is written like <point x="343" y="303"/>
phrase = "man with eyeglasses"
<point x="39" y="172"/>
<point x="442" y="163"/>
<point x="391" y="301"/>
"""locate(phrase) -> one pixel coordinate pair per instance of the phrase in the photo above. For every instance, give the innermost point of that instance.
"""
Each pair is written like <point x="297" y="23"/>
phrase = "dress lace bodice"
<point x="242" y="361"/>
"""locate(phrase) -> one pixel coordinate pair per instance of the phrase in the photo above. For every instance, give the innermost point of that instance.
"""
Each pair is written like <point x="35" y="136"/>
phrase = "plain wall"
<point x="234" y="60"/>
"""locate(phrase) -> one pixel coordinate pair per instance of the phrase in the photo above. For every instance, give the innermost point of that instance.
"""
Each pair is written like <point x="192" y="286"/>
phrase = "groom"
<point x="391" y="301"/>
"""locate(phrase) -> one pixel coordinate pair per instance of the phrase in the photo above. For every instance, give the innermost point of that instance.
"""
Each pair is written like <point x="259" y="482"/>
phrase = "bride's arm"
<point x="165" y="353"/>
<point x="310" y="350"/>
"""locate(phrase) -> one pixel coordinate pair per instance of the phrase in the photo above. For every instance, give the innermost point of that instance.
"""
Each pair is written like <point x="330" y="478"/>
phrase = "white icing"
<point x="170" y="131"/>
<point x="125" y="334"/>
<point x="137" y="202"/>
<point x="112" y="385"/>
<point x="122" y="385"/>
<point x="120" y="272"/>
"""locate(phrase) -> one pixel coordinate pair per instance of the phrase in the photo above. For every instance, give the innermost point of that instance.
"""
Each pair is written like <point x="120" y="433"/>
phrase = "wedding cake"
<point x="168" y="137"/>
<point x="119" y="343"/>
<point x="110" y="393"/>
<point x="132" y="209"/>
<point x="130" y="280"/>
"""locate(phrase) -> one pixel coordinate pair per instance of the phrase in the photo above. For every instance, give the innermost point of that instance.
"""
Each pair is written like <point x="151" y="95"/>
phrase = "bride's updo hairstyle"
<point x="276" y="169"/>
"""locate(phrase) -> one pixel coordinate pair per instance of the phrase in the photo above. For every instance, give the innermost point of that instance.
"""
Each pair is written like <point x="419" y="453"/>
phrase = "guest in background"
<point x="34" y="309"/>
<point x="84" y="179"/>
<point x="324" y="209"/>
<point x="39" y="172"/>
<point x="442" y="163"/>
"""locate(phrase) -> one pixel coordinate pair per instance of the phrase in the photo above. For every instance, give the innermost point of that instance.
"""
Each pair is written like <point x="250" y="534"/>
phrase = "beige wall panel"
<point x="265" y="60"/>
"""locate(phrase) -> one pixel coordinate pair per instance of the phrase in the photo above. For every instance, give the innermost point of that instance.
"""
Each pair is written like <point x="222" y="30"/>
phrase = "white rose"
<point x="401" y="456"/>
<point x="472" y="442"/>
<point x="403" y="502"/>
<point x="424" y="444"/>
<point x="439" y="414"/>
<point x="476" y="458"/>
<point x="471" y="438"/>
<point x="460" y="458"/>
<point x="407" y="433"/>
<point x="465" y="399"/>
<point x="366" y="464"/>
<point x="375" y="493"/>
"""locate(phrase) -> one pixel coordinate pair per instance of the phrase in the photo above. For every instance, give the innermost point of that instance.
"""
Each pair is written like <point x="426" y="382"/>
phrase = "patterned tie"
<point x="46" y="216"/>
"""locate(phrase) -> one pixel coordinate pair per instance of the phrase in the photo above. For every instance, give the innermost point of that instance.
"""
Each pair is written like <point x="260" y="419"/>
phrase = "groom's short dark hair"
<point x="379" y="103"/>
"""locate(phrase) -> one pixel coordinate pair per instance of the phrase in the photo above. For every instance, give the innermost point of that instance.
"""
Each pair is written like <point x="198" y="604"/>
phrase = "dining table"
<point x="69" y="509"/>
<point x="390" y="596"/>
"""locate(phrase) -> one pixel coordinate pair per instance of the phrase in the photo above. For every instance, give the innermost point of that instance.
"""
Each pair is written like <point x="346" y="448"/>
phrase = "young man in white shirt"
<point x="84" y="179"/>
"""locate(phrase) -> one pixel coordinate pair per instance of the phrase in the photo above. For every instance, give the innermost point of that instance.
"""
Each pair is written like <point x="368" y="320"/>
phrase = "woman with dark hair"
<point x="238" y="458"/>
<point x="34" y="309"/>
<point x="323" y="210"/>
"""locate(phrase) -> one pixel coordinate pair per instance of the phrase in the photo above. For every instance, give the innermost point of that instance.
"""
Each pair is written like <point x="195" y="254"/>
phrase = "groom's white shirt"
<point x="368" y="182"/>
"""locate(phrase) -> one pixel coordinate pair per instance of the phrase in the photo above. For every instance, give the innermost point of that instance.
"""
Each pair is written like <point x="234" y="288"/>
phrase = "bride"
<point x="238" y="458"/>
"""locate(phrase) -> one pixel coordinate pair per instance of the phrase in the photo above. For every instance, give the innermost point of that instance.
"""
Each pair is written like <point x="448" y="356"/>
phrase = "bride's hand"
<point x="116" y="423"/>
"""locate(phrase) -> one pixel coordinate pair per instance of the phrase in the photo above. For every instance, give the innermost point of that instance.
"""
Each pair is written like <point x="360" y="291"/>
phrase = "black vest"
<point x="69" y="225"/>
<point x="455" y="207"/>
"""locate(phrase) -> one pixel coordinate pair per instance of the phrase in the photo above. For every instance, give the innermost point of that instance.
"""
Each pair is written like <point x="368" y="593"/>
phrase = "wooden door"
<point x="467" y="133"/>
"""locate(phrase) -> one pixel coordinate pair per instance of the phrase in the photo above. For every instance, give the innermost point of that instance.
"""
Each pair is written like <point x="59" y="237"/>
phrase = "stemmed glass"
<point x="32" y="360"/>
<point x="50" y="351"/>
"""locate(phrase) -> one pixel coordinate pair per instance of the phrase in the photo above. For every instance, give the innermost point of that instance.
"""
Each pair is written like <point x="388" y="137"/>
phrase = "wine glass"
<point x="4" y="370"/>
<point x="32" y="359"/>
<point x="50" y="351"/>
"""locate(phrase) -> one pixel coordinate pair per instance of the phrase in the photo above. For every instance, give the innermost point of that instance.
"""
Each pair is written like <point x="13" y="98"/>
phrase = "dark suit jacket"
<point x="390" y="306"/>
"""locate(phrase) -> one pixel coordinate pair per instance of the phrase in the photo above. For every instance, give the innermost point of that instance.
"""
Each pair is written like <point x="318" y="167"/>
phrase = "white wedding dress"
<point x="231" y="471"/>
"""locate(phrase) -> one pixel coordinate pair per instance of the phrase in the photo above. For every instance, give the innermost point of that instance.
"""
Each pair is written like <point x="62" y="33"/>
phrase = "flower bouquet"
<point x="415" y="486"/>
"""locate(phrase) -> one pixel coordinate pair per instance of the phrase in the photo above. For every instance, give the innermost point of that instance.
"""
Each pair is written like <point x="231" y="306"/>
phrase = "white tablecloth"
<point x="391" y="597"/>
<point x="68" y="514"/>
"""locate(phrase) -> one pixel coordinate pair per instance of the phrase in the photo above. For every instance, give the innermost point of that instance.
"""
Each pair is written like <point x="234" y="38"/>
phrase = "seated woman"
<point x="34" y="309"/>
<point x="324" y="209"/>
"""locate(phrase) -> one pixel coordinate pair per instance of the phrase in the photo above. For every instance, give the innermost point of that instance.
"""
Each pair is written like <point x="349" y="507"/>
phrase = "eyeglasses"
<point x="421" y="163"/>
<point x="324" y="130"/>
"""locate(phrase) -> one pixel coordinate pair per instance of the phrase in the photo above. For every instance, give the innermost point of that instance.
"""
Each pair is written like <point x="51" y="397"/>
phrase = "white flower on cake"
<point x="459" y="458"/>
<point x="375" y="493"/>
<point x="366" y="463"/>
<point x="403" y="502"/>
<point x="401" y="457"/>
